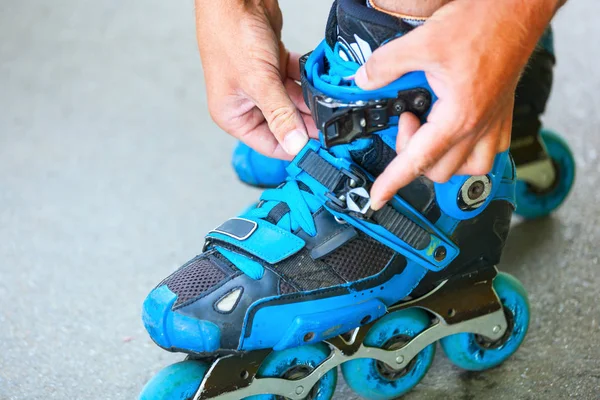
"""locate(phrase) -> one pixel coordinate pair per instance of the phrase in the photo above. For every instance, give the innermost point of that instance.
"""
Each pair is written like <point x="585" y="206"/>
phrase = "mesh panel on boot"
<point x="286" y="288"/>
<point x="194" y="278"/>
<point x="307" y="274"/>
<point x="359" y="258"/>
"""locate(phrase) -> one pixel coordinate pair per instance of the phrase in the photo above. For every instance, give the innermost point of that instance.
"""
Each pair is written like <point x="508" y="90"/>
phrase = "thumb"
<point x="394" y="59"/>
<point x="281" y="114"/>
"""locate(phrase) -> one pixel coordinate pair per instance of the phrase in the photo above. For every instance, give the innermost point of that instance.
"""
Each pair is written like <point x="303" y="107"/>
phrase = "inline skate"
<point x="545" y="164"/>
<point x="313" y="278"/>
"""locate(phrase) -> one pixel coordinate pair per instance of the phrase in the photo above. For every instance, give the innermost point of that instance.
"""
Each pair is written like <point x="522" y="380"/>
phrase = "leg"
<point x="545" y="165"/>
<point x="412" y="8"/>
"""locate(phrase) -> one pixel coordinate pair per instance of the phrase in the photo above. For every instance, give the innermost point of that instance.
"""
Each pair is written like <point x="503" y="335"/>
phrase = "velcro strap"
<point x="258" y="237"/>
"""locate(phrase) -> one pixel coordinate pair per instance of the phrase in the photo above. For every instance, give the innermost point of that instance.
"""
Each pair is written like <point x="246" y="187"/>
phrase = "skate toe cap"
<point x="172" y="330"/>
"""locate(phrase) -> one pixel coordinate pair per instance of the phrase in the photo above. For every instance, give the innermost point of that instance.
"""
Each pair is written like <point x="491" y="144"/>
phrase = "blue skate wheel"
<point x="296" y="363"/>
<point x="374" y="380"/>
<point x="179" y="381"/>
<point x="256" y="169"/>
<point x="475" y="353"/>
<point x="533" y="204"/>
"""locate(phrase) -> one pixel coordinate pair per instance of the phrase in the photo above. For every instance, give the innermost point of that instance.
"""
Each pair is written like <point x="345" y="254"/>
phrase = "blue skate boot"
<point x="545" y="164"/>
<point x="313" y="278"/>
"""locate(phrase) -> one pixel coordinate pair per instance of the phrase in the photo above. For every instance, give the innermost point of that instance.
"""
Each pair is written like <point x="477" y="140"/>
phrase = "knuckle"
<point x="470" y="122"/>
<point x="466" y="115"/>
<point x="482" y="165"/>
<point x="373" y="66"/>
<point x="280" y="117"/>
<point x="439" y="176"/>
<point x="422" y="165"/>
<point x="504" y="143"/>
<point x="388" y="193"/>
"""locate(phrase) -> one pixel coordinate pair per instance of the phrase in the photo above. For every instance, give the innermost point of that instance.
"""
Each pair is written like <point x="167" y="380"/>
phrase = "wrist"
<point x="529" y="19"/>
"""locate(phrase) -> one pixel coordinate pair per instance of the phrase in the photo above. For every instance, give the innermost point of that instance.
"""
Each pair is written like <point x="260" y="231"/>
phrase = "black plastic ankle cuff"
<point x="343" y="122"/>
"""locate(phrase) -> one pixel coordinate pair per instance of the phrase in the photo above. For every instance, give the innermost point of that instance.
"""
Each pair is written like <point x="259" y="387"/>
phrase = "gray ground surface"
<point x="111" y="172"/>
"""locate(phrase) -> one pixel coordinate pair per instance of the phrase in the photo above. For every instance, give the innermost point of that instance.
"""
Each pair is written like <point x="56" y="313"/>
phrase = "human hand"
<point x="472" y="53"/>
<point x="251" y="77"/>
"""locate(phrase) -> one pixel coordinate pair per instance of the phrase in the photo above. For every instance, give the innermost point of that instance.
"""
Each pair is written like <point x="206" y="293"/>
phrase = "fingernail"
<point x="294" y="141"/>
<point x="361" y="77"/>
<point x="376" y="199"/>
<point x="376" y="204"/>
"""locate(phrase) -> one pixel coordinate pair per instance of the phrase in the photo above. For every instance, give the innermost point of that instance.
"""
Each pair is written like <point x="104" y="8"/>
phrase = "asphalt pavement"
<point x="111" y="172"/>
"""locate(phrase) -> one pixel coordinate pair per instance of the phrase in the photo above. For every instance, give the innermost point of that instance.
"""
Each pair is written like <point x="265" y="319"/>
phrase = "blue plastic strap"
<point x="437" y="253"/>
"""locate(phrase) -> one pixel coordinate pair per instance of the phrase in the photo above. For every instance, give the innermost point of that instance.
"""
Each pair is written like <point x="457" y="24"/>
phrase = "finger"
<point x="293" y="66"/>
<point x="494" y="139"/>
<point x="294" y="90"/>
<point x="454" y="159"/>
<point x="260" y="138"/>
<point x="282" y="116"/>
<point x="295" y="93"/>
<point x="408" y="125"/>
<point x="505" y="137"/>
<point x="504" y="142"/>
<point x="311" y="127"/>
<point x="395" y="59"/>
<point x="423" y="151"/>
<point x="481" y="159"/>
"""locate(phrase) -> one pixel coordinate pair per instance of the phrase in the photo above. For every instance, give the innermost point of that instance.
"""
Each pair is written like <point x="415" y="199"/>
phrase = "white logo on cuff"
<point x="358" y="52"/>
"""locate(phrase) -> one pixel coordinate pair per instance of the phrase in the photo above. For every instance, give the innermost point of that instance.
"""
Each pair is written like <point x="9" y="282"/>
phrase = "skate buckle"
<point x="358" y="200"/>
<point x="343" y="122"/>
<point x="352" y="195"/>
<point x="349" y="122"/>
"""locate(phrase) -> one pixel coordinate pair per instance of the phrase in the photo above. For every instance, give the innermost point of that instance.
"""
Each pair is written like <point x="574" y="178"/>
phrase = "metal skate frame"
<point x="468" y="304"/>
